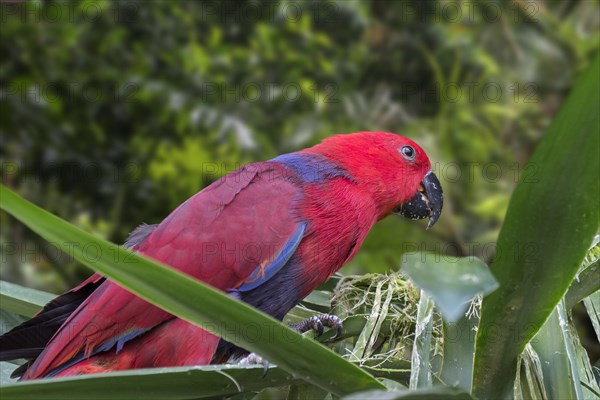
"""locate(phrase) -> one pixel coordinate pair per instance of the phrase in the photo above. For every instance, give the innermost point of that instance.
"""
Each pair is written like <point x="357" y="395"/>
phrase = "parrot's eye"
<point x="408" y="153"/>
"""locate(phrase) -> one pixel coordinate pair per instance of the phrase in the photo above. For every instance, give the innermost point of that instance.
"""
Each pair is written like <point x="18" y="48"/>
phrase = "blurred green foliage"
<point x="113" y="113"/>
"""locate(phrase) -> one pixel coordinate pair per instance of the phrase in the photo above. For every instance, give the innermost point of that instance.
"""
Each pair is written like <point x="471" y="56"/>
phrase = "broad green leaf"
<point x="586" y="283"/>
<point x="551" y="220"/>
<point x="396" y="370"/>
<point x="306" y="392"/>
<point x="433" y="393"/>
<point x="181" y="295"/>
<point x="450" y="282"/>
<point x="152" y="383"/>
<point x="554" y="347"/>
<point x="587" y="280"/>
<point x="318" y="300"/>
<point x="459" y="352"/>
<point x="22" y="300"/>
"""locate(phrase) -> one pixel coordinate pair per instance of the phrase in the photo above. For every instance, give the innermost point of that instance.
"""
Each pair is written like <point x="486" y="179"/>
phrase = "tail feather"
<point x="29" y="339"/>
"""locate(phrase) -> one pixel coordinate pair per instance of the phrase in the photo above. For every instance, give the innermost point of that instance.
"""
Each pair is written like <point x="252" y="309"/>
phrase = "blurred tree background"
<point x="114" y="112"/>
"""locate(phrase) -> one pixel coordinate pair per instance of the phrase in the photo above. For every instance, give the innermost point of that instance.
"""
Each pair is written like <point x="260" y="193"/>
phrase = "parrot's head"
<point x="392" y="168"/>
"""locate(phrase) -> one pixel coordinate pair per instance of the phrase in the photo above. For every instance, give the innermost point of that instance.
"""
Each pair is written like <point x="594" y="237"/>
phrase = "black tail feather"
<point x="20" y="371"/>
<point x="29" y="339"/>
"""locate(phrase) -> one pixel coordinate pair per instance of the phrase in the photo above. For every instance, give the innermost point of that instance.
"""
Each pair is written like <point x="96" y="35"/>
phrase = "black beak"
<point x="427" y="202"/>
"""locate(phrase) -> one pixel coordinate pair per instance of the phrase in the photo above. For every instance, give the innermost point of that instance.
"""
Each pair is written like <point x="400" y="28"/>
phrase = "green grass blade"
<point x="420" y="374"/>
<point x="459" y="351"/>
<point x="592" y="305"/>
<point x="590" y="386"/>
<point x="434" y="393"/>
<point x="181" y="295"/>
<point x="529" y="382"/>
<point x="159" y="383"/>
<point x="364" y="344"/>
<point x="535" y="264"/>
<point x="587" y="280"/>
<point x="555" y="350"/>
<point x="22" y="300"/>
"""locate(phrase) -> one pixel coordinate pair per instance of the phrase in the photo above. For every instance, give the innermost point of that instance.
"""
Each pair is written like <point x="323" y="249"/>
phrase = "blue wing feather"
<point x="260" y="275"/>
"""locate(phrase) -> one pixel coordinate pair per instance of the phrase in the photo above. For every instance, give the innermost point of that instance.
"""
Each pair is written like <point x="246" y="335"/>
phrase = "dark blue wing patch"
<point x="312" y="167"/>
<point x="260" y="275"/>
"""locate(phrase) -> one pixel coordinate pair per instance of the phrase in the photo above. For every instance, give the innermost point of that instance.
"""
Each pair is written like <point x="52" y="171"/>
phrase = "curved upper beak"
<point x="427" y="201"/>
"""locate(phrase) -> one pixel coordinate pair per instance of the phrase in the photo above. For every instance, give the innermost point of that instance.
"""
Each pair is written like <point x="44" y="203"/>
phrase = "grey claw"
<point x="338" y="332"/>
<point x="253" y="359"/>
<point x="265" y="364"/>
<point x="317" y="324"/>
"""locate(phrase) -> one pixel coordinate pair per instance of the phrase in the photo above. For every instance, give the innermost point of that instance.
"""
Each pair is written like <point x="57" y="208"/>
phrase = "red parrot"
<point x="268" y="234"/>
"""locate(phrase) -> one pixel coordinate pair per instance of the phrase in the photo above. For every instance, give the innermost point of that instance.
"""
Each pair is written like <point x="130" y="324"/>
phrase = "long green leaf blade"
<point x="433" y="393"/>
<point x="551" y="219"/>
<point x="557" y="357"/>
<point x="159" y="383"/>
<point x="22" y="300"/>
<point x="587" y="281"/>
<point x="420" y="373"/>
<point x="181" y="295"/>
<point x="459" y="351"/>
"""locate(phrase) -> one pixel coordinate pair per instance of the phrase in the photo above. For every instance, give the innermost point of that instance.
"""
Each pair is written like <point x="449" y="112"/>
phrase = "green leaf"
<point x="586" y="283"/>
<point x="550" y="222"/>
<point x="459" y="352"/>
<point x="450" y="282"/>
<point x="306" y="392"/>
<point x="555" y="350"/>
<point x="22" y="300"/>
<point x="589" y="385"/>
<point x="441" y="393"/>
<point x="366" y="340"/>
<point x="587" y="280"/>
<point x="152" y="383"/>
<point x="529" y="382"/>
<point x="180" y="295"/>
<point x="592" y="306"/>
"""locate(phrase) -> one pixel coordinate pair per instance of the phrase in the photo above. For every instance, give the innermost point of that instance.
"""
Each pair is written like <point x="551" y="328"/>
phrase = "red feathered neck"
<point x="375" y="162"/>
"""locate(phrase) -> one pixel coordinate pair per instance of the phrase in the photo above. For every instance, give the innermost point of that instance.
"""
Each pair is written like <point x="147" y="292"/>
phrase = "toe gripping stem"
<point x="317" y="323"/>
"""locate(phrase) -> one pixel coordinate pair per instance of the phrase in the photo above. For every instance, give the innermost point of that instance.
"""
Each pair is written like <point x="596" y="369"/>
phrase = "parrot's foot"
<point x="254" y="359"/>
<point x="317" y="324"/>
